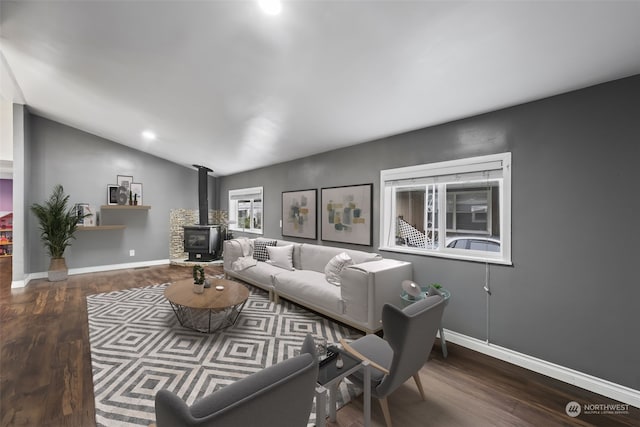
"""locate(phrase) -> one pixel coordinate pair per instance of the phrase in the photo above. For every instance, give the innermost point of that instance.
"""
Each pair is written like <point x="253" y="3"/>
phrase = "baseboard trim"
<point x="27" y="278"/>
<point x="101" y="268"/>
<point x="93" y="269"/>
<point x="15" y="284"/>
<point x="588" y="382"/>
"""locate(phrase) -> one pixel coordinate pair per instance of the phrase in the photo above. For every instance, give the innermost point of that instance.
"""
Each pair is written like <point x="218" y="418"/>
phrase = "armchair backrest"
<point x="410" y="333"/>
<point x="279" y="395"/>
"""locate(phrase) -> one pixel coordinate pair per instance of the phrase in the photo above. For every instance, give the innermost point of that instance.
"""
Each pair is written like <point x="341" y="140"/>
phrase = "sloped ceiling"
<point x="225" y="85"/>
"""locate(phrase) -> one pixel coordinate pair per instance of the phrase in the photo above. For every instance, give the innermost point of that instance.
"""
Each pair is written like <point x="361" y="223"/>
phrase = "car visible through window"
<point x="475" y="243"/>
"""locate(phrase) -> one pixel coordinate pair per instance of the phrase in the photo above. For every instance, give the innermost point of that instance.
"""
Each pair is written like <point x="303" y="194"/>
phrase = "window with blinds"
<point x="456" y="209"/>
<point x="245" y="210"/>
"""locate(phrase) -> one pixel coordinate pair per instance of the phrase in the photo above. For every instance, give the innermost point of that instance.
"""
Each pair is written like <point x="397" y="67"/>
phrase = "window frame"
<point x="252" y="194"/>
<point x="495" y="166"/>
<point x="488" y="193"/>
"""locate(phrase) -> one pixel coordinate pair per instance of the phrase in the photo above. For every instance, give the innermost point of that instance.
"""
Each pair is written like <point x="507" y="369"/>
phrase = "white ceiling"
<point x="225" y="85"/>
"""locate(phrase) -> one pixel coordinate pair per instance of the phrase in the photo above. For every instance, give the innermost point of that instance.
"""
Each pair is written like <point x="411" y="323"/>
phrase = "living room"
<point x="567" y="304"/>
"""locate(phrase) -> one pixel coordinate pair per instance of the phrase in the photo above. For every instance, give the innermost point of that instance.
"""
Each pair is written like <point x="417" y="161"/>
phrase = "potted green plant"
<point x="58" y="223"/>
<point x="198" y="279"/>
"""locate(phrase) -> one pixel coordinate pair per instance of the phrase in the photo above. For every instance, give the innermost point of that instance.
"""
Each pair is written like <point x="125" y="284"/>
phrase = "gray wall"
<point x="85" y="164"/>
<point x="21" y="180"/>
<point x="571" y="296"/>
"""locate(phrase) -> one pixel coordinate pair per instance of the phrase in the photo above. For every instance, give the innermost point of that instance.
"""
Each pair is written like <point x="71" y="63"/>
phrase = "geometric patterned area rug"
<point x="138" y="348"/>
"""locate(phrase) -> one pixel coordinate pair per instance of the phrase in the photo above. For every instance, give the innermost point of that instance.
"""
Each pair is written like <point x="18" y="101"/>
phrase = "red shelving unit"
<point x="6" y="235"/>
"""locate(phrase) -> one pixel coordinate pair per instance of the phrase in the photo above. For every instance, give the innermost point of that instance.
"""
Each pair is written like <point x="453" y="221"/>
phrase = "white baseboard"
<point x="588" y="382"/>
<point x="27" y="278"/>
<point x="100" y="268"/>
<point x="94" y="269"/>
<point x="19" y="283"/>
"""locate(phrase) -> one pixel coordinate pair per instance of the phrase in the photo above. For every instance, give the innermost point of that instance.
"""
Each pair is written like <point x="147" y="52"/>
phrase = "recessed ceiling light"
<point x="270" y="7"/>
<point x="148" y="135"/>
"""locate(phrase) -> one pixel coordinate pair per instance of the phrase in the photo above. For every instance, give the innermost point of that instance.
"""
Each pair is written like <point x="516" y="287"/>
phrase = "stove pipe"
<point x="203" y="199"/>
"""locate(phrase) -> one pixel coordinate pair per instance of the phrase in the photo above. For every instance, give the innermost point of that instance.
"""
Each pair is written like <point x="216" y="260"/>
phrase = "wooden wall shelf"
<point x="101" y="227"/>
<point x="114" y="208"/>
<point x="126" y="207"/>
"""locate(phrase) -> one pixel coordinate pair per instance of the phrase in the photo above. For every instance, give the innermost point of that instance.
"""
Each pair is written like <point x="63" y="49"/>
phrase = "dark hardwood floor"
<point x="46" y="380"/>
<point x="6" y="269"/>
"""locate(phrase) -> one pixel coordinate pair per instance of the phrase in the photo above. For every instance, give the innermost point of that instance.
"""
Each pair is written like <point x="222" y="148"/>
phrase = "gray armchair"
<point x="280" y="395"/>
<point x="409" y="334"/>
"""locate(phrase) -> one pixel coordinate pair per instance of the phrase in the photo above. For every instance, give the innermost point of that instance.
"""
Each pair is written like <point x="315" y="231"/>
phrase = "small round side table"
<point x="408" y="300"/>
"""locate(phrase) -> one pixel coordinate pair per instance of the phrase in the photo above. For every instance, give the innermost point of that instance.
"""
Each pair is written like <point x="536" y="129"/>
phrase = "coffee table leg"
<point x="235" y="312"/>
<point x="175" y="308"/>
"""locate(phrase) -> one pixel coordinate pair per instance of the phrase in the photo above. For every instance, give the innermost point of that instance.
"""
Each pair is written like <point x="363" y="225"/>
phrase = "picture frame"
<point x="86" y="214"/>
<point x="112" y="194"/>
<point x="136" y="193"/>
<point x="299" y="214"/>
<point x="347" y="214"/>
<point x="124" y="181"/>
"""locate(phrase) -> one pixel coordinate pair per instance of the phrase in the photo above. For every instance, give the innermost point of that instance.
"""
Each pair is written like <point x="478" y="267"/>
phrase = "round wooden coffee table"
<point x="211" y="310"/>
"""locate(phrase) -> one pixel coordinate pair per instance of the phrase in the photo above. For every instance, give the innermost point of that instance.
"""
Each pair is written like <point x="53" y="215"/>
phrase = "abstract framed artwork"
<point x="347" y="214"/>
<point x="299" y="214"/>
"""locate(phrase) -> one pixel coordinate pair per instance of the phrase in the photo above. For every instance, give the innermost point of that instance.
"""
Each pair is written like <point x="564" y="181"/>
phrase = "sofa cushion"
<point x="281" y="256"/>
<point x="261" y="273"/>
<point x="309" y="286"/>
<point x="260" y="249"/>
<point x="316" y="257"/>
<point x="335" y="266"/>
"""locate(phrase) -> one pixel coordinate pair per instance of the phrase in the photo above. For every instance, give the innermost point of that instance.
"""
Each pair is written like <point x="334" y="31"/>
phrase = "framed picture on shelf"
<point x="347" y="214"/>
<point x="299" y="214"/>
<point x="112" y="194"/>
<point x="124" y="181"/>
<point x="136" y="193"/>
<point x="87" y="215"/>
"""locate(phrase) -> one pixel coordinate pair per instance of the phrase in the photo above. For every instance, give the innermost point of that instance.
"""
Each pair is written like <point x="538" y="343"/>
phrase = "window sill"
<point x="244" y="230"/>
<point x="448" y="255"/>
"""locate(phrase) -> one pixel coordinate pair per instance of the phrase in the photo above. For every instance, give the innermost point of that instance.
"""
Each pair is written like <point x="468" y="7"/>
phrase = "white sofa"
<point x="365" y="286"/>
